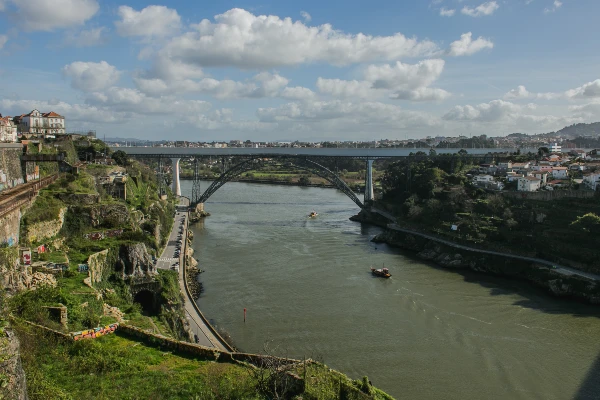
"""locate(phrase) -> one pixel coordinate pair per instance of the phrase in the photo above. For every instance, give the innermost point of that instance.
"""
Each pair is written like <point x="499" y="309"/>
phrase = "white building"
<point x="541" y="175"/>
<point x="555" y="148"/>
<point x="592" y="180"/>
<point x="8" y="130"/>
<point x="560" y="172"/>
<point x="528" y="184"/>
<point x="37" y="123"/>
<point x="482" y="179"/>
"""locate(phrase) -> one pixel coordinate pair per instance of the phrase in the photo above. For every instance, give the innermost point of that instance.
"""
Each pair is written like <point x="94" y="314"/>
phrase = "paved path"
<point x="167" y="260"/>
<point x="559" y="268"/>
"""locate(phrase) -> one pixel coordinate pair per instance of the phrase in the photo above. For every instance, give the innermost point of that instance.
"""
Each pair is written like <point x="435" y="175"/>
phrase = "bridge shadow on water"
<point x="590" y="387"/>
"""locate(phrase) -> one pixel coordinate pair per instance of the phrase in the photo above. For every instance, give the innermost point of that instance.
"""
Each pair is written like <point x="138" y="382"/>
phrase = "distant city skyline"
<point x="308" y="71"/>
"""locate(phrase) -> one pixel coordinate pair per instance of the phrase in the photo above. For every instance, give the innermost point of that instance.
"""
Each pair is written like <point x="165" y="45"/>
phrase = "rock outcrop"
<point x="447" y="256"/>
<point x="134" y="261"/>
<point x="109" y="215"/>
<point x="79" y="199"/>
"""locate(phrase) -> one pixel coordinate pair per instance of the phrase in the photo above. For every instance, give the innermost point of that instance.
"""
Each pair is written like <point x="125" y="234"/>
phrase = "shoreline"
<point x="556" y="280"/>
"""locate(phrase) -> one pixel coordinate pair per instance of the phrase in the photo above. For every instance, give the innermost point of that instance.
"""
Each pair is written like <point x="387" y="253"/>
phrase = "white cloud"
<point x="486" y="112"/>
<point x="132" y="100"/>
<point x="344" y="89"/>
<point x="3" y="40"/>
<point x="306" y="16"/>
<point x="588" y="90"/>
<point x="466" y="46"/>
<point x="399" y="74"/>
<point x="264" y="84"/>
<point x="239" y="38"/>
<point x="152" y="21"/>
<point x="590" y="111"/>
<point x="47" y="15"/>
<point x="297" y="93"/>
<point x="555" y="6"/>
<point x="91" y="76"/>
<point x="329" y="118"/>
<point x="444" y="12"/>
<point x="519" y="93"/>
<point x="397" y="81"/>
<point x="421" y="94"/>
<point x="481" y="10"/>
<point x="86" y="38"/>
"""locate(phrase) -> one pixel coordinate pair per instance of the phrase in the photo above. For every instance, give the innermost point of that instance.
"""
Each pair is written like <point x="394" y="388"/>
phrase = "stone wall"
<point x="11" y="173"/>
<point x="548" y="195"/>
<point x="46" y="229"/>
<point x="109" y="215"/>
<point x="9" y="227"/>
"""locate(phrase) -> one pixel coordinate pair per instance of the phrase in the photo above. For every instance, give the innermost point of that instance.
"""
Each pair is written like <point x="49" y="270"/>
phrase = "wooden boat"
<point x="313" y="214"/>
<point x="382" y="273"/>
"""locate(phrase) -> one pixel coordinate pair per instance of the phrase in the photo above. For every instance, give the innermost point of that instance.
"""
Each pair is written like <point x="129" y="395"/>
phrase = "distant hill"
<point x="578" y="130"/>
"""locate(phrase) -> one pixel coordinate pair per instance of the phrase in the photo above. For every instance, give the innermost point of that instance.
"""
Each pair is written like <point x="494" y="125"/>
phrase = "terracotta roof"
<point x="530" y="178"/>
<point x="52" y="114"/>
<point x="559" y="168"/>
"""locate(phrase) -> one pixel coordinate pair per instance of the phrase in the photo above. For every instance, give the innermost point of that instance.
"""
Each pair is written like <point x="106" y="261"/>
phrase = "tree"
<point x="542" y="151"/>
<point x="589" y="222"/>
<point x="303" y="180"/>
<point x="120" y="158"/>
<point x="432" y="153"/>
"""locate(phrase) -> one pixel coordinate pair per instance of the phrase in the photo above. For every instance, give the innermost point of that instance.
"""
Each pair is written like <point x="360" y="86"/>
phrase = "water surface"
<point x="426" y="333"/>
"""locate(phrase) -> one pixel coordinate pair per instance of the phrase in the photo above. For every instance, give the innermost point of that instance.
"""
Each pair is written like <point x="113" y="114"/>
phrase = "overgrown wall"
<point x="46" y="229"/>
<point x="9" y="227"/>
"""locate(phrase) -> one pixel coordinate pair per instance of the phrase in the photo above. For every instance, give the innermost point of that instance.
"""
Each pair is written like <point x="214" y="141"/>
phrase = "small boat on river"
<point x="382" y="273"/>
<point x="313" y="214"/>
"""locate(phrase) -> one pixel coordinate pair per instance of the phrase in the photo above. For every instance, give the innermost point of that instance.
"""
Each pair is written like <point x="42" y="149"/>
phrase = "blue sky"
<point x="309" y="70"/>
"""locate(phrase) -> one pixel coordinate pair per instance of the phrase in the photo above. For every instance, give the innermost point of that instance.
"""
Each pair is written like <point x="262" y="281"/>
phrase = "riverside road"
<point x="170" y="260"/>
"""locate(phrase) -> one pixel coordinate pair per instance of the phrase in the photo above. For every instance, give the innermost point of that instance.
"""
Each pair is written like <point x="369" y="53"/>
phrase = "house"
<point x="518" y="165"/>
<point x="8" y="130"/>
<point x="592" y="180"/>
<point x="577" y="167"/>
<point x="40" y="123"/>
<point x="505" y="165"/>
<point x="542" y="166"/>
<point x="560" y="172"/>
<point x="578" y="153"/>
<point x="513" y="176"/>
<point x="482" y="178"/>
<point x="528" y="184"/>
<point x="541" y="175"/>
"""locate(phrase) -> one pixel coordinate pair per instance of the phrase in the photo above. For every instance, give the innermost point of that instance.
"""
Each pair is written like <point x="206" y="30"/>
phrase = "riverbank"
<point x="557" y="280"/>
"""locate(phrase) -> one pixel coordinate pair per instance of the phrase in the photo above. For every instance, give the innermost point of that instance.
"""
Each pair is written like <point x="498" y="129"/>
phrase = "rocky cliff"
<point x="558" y="284"/>
<point x="134" y="261"/>
<point x="109" y="215"/>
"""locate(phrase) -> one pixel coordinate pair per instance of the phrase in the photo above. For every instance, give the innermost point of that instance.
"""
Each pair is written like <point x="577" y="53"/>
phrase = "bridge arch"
<point x="302" y="163"/>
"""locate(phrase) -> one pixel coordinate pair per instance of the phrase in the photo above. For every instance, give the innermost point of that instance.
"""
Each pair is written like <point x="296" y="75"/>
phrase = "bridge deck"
<point x="178" y="152"/>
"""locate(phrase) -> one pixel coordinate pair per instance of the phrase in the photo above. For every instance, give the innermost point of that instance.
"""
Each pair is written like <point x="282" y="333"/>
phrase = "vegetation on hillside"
<point x="434" y="195"/>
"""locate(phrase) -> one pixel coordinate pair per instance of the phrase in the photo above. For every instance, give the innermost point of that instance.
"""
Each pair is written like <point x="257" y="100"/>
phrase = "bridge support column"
<point x="369" y="194"/>
<point x="175" y="186"/>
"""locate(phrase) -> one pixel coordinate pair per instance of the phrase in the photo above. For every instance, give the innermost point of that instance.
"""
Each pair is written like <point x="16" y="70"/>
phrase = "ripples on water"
<point x="426" y="333"/>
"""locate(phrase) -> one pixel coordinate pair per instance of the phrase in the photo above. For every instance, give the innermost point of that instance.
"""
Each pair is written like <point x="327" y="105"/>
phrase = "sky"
<point x="303" y="70"/>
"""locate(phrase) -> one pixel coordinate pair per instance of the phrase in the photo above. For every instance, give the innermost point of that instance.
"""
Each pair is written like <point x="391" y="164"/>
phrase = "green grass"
<point x="117" y="367"/>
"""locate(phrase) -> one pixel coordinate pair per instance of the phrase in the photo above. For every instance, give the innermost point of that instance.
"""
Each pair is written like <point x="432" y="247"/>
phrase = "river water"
<point x="426" y="333"/>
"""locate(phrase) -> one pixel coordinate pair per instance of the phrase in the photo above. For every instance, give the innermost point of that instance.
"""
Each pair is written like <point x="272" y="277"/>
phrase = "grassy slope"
<point x="116" y="367"/>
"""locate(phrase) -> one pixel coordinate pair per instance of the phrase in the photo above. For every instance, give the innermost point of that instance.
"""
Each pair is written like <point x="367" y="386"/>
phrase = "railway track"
<point x="20" y="195"/>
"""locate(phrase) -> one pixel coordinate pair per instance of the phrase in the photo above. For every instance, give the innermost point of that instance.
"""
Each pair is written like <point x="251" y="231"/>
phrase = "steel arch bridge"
<point x="255" y="163"/>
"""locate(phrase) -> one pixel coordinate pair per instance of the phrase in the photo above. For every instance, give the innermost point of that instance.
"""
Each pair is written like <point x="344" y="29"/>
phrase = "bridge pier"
<point x="176" y="185"/>
<point x="369" y="194"/>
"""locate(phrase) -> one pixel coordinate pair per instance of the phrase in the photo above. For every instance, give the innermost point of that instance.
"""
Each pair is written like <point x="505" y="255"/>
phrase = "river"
<point x="426" y="333"/>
